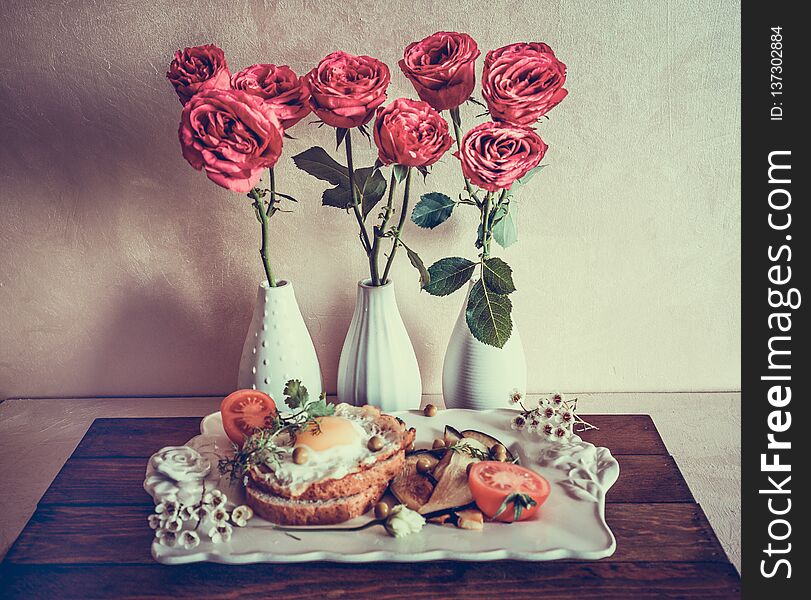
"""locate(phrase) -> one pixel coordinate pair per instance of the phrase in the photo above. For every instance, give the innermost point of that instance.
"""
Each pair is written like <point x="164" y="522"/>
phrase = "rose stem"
<point x="364" y="236"/>
<point x="486" y="225"/>
<point x="456" y="119"/>
<point x="263" y="218"/>
<point x="401" y="222"/>
<point x="381" y="231"/>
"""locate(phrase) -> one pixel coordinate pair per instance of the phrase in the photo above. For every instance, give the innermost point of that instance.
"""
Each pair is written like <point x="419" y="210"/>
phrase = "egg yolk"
<point x="331" y="431"/>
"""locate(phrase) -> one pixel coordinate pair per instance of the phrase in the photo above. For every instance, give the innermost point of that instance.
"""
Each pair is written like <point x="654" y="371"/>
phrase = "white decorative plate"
<point x="571" y="524"/>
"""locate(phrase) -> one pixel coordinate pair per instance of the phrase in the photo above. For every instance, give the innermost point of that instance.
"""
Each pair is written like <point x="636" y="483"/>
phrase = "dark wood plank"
<point x="643" y="478"/>
<point x="416" y="581"/>
<point x="106" y="534"/>
<point x="139" y="438"/>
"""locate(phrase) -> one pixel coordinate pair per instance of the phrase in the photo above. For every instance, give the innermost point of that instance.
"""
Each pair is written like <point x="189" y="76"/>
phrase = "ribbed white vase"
<point x="478" y="376"/>
<point x="378" y="365"/>
<point x="278" y="346"/>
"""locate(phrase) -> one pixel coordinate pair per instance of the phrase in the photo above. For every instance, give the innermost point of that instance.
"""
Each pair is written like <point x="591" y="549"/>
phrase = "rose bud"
<point x="196" y="69"/>
<point x="280" y="87"/>
<point x="522" y="82"/>
<point x="411" y="133"/>
<point x="232" y="135"/>
<point x="346" y="90"/>
<point x="442" y="68"/>
<point x="495" y="155"/>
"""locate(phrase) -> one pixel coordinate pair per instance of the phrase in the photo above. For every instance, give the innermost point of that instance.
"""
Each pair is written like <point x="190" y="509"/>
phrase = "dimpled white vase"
<point x="278" y="346"/>
<point x="478" y="376"/>
<point x="378" y="365"/>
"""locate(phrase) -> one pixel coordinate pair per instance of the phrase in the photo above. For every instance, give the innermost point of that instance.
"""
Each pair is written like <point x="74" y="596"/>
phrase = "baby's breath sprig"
<point x="554" y="418"/>
<point x="260" y="448"/>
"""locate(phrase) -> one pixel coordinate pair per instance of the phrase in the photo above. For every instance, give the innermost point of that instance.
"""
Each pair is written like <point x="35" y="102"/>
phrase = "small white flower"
<point x="403" y="521"/>
<point x="221" y="533"/>
<point x="548" y="430"/>
<point x="166" y="538"/>
<point x="547" y="413"/>
<point x="218" y="515"/>
<point x="189" y="539"/>
<point x="544" y="402"/>
<point x="518" y="422"/>
<point x="215" y="498"/>
<point x="190" y="513"/>
<point x="167" y="509"/>
<point x="557" y="399"/>
<point x="241" y="515"/>
<point x="515" y="396"/>
<point x="155" y="521"/>
<point x="174" y="525"/>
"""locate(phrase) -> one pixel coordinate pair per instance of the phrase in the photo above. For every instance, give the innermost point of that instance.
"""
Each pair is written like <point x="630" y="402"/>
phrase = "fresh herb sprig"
<point x="464" y="447"/>
<point x="261" y="447"/>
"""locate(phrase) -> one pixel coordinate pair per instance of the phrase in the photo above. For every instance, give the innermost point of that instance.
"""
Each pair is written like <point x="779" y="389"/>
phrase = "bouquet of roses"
<point x="232" y="126"/>
<point x="346" y="93"/>
<point x="520" y="84"/>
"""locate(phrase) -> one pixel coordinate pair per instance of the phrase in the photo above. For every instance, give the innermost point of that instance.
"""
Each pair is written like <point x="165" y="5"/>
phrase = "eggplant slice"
<point x="410" y="487"/>
<point x="488" y="440"/>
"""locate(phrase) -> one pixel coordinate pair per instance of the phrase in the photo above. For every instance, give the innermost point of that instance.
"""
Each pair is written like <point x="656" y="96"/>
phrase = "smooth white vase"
<point x="278" y="346"/>
<point x="378" y="365"/>
<point x="478" y="376"/>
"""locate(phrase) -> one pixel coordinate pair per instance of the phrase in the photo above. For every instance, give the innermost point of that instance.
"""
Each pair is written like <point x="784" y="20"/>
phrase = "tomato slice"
<point x="507" y="492"/>
<point x="244" y="411"/>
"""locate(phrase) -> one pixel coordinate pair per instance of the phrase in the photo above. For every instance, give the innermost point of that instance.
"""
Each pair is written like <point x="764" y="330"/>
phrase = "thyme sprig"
<point x="261" y="447"/>
<point x="464" y="447"/>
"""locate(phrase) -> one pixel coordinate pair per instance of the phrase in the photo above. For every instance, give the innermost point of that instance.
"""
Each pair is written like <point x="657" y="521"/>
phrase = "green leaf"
<point x="318" y="163"/>
<point x="505" y="228"/>
<point x="433" y="209"/>
<point x="488" y="316"/>
<point x="449" y="274"/>
<point x="498" y="276"/>
<point x="371" y="186"/>
<point x="339" y="197"/>
<point x="416" y="262"/>
<point x="296" y="395"/>
<point x="529" y="175"/>
<point x="319" y="408"/>
<point x="400" y="172"/>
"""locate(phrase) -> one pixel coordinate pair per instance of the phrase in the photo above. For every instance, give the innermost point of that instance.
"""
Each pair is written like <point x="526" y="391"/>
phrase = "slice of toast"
<point x="287" y="511"/>
<point x="363" y="476"/>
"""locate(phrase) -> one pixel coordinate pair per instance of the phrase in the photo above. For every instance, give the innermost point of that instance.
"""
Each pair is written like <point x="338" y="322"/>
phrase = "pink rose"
<point x="410" y="133"/>
<point x="197" y="69"/>
<point x="442" y="68"/>
<point x="279" y="87"/>
<point x="347" y="89"/>
<point x="495" y="155"/>
<point x="232" y="135"/>
<point x="522" y="82"/>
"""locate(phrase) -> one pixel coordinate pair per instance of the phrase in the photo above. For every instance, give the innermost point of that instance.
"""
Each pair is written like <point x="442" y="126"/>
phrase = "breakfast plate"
<point x="571" y="524"/>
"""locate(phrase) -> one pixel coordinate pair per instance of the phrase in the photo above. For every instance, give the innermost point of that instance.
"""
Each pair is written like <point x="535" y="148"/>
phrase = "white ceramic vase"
<point x="478" y="376"/>
<point x="278" y="346"/>
<point x="378" y="365"/>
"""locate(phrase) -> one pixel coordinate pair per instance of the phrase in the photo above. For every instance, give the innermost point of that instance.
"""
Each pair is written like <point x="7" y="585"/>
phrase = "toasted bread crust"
<point x="387" y="465"/>
<point x="285" y="511"/>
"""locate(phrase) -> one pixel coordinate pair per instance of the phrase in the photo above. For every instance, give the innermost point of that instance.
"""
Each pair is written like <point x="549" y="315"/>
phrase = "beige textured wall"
<point x="123" y="271"/>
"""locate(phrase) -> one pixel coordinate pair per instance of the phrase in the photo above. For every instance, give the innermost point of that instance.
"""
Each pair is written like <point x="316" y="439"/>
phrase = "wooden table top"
<point x="91" y="541"/>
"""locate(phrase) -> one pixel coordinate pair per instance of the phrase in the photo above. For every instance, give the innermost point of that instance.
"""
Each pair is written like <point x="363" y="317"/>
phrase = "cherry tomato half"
<point x="507" y="492"/>
<point x="244" y="411"/>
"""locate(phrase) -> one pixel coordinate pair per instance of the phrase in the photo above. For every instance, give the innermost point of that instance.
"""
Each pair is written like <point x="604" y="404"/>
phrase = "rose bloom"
<point x="278" y="86"/>
<point x="442" y="68"/>
<point x="345" y="89"/>
<point x="411" y="133"/>
<point x="522" y="82"/>
<point x="196" y="69"/>
<point x="495" y="155"/>
<point x="232" y="135"/>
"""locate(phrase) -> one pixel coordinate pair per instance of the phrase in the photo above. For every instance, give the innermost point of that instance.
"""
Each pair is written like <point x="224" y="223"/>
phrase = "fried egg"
<point x="336" y="448"/>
